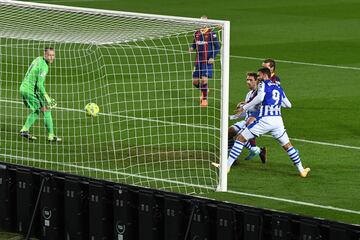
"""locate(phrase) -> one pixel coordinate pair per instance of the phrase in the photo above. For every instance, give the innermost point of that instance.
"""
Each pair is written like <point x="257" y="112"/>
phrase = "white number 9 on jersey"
<point x="276" y="96"/>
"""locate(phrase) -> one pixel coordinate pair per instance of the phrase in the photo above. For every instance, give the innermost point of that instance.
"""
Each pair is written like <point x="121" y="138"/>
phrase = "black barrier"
<point x="339" y="231"/>
<point x="175" y="218"/>
<point x="77" y="208"/>
<point x="7" y="198"/>
<point x="355" y="233"/>
<point x="150" y="216"/>
<point x="125" y="213"/>
<point x="52" y="209"/>
<point x="225" y="222"/>
<point x="203" y="220"/>
<point x="252" y="224"/>
<point x="309" y="230"/>
<point x="100" y="211"/>
<point x="27" y="189"/>
<point x="280" y="227"/>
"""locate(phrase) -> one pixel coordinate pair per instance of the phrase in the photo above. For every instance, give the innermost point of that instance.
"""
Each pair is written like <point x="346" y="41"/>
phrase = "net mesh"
<point x="151" y="130"/>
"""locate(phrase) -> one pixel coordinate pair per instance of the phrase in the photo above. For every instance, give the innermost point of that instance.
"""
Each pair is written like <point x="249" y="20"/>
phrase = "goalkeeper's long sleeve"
<point x="35" y="77"/>
<point x="40" y="86"/>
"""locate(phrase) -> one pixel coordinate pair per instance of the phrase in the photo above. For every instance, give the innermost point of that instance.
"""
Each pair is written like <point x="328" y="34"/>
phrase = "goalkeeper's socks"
<point x="30" y="120"/>
<point x="49" y="122"/>
<point x="295" y="157"/>
<point x="204" y="90"/>
<point x="234" y="153"/>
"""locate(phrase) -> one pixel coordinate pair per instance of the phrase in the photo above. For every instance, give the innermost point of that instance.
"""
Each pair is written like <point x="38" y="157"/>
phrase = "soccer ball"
<point x="92" y="109"/>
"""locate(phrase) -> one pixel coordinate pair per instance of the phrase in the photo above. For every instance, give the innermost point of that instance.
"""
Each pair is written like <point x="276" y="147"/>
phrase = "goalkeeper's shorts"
<point x="32" y="100"/>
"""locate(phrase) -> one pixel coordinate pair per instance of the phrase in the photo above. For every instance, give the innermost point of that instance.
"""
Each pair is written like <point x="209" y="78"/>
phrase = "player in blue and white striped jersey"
<point x="272" y="98"/>
<point x="249" y="116"/>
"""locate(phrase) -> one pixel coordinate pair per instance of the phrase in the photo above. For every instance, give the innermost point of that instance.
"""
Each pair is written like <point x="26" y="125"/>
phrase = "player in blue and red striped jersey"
<point x="207" y="46"/>
<point x="271" y="65"/>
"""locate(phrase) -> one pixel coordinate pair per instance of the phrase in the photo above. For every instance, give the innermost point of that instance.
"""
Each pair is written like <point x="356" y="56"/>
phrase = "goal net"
<point x="151" y="130"/>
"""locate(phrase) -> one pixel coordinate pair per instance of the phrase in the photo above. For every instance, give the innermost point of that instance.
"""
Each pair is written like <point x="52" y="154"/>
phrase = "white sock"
<point x="295" y="157"/>
<point x="255" y="149"/>
<point x="234" y="153"/>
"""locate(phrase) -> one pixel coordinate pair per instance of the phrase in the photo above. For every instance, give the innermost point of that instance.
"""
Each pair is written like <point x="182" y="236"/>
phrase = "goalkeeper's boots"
<point x="53" y="138"/>
<point x="253" y="153"/>
<point x="203" y="102"/>
<point x="263" y="154"/>
<point x="26" y="134"/>
<point x="305" y="172"/>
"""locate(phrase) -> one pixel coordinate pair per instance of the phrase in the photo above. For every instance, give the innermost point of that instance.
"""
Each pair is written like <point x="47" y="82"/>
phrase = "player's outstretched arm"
<point x="285" y="102"/>
<point x="256" y="100"/>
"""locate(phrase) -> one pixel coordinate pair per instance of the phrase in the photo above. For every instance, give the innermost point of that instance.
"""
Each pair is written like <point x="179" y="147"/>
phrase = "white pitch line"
<point x="191" y="125"/>
<point x="300" y="63"/>
<point x="186" y="184"/>
<point x="249" y="58"/>
<point x="295" y="202"/>
<point x="103" y="170"/>
<point x="253" y="58"/>
<point x="129" y="117"/>
<point x="67" y="1"/>
<point x="259" y="59"/>
<point x="320" y="143"/>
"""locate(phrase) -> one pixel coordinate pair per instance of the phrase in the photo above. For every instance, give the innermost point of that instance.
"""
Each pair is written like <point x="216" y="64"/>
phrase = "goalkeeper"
<point x="33" y="92"/>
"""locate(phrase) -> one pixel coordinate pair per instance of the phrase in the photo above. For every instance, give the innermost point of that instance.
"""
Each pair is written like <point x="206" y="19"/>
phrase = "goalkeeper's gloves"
<point x="50" y="101"/>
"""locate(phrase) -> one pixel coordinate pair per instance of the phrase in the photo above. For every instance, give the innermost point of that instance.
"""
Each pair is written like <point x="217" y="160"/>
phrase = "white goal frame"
<point x="225" y="60"/>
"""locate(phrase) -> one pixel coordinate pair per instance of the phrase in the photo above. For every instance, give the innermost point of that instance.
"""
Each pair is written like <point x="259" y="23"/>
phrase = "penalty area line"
<point x="185" y="184"/>
<point x="320" y="143"/>
<point x="299" y="63"/>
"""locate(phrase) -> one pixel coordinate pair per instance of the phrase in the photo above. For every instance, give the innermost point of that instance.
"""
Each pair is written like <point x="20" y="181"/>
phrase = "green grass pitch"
<point x="325" y="99"/>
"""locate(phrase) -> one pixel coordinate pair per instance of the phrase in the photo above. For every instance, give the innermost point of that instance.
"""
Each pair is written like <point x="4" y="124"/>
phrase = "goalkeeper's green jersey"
<point x="35" y="77"/>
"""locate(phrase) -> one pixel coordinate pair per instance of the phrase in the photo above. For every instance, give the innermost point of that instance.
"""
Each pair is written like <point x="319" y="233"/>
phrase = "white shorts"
<point x="239" y="126"/>
<point x="271" y="124"/>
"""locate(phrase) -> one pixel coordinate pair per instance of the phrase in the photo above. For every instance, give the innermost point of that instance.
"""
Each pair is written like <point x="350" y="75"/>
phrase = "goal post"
<point x="151" y="130"/>
<point x="225" y="73"/>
